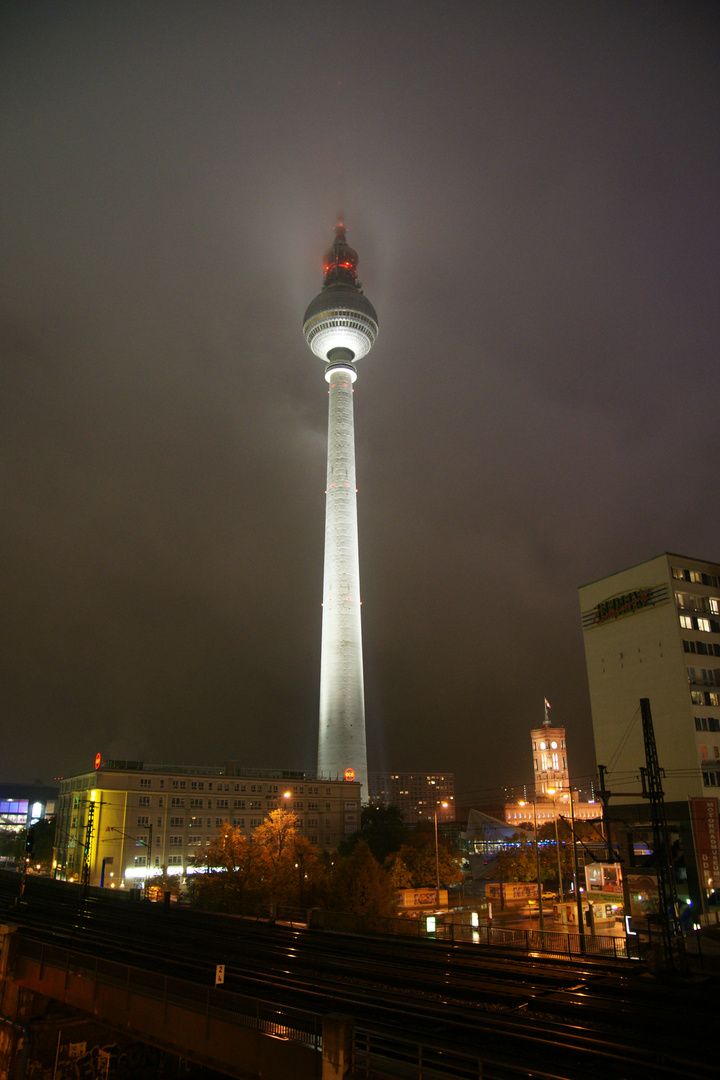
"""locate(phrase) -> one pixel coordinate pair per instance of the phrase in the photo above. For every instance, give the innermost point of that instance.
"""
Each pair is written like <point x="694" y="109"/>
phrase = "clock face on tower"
<point x="543" y="746"/>
<point x="553" y="746"/>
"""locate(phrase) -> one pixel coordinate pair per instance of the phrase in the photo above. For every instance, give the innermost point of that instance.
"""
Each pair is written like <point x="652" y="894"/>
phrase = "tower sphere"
<point x="340" y="324"/>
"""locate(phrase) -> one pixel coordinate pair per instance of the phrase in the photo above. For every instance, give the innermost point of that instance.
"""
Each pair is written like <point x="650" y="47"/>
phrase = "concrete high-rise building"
<point x="419" y="795"/>
<point x="653" y="631"/>
<point x="340" y="326"/>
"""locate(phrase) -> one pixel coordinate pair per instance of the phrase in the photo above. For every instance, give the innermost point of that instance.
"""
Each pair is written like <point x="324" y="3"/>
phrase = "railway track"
<point x="517" y="1016"/>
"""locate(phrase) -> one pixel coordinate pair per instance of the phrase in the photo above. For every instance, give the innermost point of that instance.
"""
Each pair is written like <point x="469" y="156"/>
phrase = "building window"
<point x="174" y="860"/>
<point x="221" y="804"/>
<point x="143" y="821"/>
<point x="145" y="782"/>
<point x="686" y="622"/>
<point x="177" y="802"/>
<point x="175" y="841"/>
<point x="177" y="822"/>
<point x="704" y="625"/>
<point x="195" y="841"/>
<point x="239" y="804"/>
<point x="144" y="800"/>
<point x="218" y="822"/>
<point x="196" y="803"/>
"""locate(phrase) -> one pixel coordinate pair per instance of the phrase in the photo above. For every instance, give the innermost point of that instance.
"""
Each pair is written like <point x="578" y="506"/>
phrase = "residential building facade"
<point x="418" y="795"/>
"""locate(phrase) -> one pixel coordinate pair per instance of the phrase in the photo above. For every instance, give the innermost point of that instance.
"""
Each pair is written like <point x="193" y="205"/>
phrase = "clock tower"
<point x="549" y="760"/>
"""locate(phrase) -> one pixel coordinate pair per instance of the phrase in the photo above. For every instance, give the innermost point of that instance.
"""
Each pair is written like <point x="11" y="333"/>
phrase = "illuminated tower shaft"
<point x="341" y="742"/>
<point x="340" y="327"/>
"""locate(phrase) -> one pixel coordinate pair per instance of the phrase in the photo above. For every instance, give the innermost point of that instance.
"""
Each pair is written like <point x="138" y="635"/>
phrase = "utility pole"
<point x="673" y="941"/>
<point x="85" y="878"/>
<point x="605" y="799"/>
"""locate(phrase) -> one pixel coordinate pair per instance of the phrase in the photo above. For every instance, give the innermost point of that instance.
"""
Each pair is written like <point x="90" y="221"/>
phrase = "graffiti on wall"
<point x="77" y="1061"/>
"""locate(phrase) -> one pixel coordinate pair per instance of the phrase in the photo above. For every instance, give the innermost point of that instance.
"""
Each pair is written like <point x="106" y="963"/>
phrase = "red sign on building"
<point x="707" y="840"/>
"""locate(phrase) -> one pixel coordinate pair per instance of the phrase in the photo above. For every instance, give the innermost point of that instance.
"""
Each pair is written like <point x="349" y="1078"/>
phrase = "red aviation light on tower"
<point x="341" y="261"/>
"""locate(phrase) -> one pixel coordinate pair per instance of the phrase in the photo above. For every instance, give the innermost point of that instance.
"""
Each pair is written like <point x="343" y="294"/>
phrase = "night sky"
<point x="534" y="193"/>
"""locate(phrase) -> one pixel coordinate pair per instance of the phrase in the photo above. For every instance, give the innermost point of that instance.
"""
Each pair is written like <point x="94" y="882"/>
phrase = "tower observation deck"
<point x="340" y="327"/>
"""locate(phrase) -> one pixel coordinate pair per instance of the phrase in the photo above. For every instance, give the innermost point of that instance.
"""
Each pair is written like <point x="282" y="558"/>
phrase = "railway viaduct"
<point x="50" y="995"/>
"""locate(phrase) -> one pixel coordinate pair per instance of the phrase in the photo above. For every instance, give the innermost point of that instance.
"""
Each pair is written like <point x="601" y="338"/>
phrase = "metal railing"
<point x="381" y="1055"/>
<point x="547" y="942"/>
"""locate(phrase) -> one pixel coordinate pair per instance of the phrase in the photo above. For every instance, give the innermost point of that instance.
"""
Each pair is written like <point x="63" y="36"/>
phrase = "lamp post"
<point x="537" y="863"/>
<point x="561" y="895"/>
<point x="437" y="859"/>
<point x="576" y="870"/>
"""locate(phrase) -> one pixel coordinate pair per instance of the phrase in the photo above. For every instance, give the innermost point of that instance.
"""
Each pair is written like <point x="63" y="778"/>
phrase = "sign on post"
<point x="219" y="974"/>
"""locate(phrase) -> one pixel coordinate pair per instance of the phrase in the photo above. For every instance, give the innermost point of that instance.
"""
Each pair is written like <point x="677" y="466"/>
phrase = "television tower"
<point x="341" y="327"/>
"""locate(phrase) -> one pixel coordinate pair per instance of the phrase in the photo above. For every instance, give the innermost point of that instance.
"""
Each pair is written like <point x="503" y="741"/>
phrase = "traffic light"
<point x="30" y="842"/>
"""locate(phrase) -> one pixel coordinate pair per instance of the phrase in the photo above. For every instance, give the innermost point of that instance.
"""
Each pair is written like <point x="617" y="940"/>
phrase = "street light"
<point x="537" y="863"/>
<point x="561" y="894"/>
<point x="576" y="870"/>
<point x="437" y="858"/>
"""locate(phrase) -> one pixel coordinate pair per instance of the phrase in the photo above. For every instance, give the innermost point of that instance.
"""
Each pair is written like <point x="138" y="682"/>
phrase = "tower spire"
<point x="341" y="260"/>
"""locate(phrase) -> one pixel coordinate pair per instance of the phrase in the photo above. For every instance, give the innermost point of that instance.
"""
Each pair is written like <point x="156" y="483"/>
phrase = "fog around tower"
<point x="532" y="191"/>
